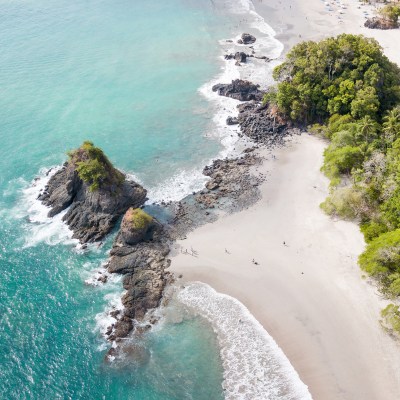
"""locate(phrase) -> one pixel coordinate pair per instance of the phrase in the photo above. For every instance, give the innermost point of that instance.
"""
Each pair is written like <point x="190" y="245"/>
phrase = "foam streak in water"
<point x="255" y="368"/>
<point x="41" y="228"/>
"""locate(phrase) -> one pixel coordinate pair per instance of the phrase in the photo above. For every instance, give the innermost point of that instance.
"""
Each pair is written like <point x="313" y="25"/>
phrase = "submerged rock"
<point x="240" y="90"/>
<point x="96" y="193"/>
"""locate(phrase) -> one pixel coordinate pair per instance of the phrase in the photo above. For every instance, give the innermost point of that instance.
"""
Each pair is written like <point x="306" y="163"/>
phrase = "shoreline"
<point x="324" y="317"/>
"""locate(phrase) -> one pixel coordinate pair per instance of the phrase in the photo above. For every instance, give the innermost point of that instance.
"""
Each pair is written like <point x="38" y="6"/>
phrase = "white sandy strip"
<point x="308" y="294"/>
<point x="255" y="368"/>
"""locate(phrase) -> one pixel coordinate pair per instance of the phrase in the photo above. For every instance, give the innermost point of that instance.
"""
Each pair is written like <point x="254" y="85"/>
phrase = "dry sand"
<point x="308" y="293"/>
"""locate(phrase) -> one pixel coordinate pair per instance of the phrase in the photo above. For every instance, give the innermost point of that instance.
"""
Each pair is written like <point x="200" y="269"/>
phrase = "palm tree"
<point x="367" y="127"/>
<point x="391" y="125"/>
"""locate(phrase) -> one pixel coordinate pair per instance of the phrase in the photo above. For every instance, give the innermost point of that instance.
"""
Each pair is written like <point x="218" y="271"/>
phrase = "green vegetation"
<point x="390" y="12"/>
<point x="391" y="318"/>
<point x="344" y="75"/>
<point x="350" y="92"/>
<point x="94" y="168"/>
<point x="140" y="219"/>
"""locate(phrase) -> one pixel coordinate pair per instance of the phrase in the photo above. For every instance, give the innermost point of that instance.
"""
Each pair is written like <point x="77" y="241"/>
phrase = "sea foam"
<point x="40" y="227"/>
<point x="186" y="181"/>
<point x="255" y="368"/>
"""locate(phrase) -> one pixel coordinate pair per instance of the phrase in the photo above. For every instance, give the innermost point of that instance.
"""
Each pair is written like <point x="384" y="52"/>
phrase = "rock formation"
<point x="246" y="38"/>
<point x="380" y="23"/>
<point x="96" y="193"/>
<point x="239" y="90"/>
<point x="263" y="123"/>
<point x="139" y="253"/>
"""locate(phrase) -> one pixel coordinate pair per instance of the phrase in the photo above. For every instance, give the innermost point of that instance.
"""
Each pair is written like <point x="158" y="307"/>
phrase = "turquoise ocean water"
<point x="125" y="74"/>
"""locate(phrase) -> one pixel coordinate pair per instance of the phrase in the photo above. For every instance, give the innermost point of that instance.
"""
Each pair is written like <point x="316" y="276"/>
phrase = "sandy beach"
<point x="307" y="289"/>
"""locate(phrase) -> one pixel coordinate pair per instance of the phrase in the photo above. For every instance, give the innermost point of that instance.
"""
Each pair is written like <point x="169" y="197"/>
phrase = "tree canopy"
<point x="348" y="74"/>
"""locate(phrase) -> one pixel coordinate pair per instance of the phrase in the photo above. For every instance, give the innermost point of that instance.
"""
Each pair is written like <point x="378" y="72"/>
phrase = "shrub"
<point x="346" y="202"/>
<point x="381" y="259"/>
<point x="372" y="230"/>
<point x="391" y="318"/>
<point x="94" y="168"/>
<point x="140" y="219"/>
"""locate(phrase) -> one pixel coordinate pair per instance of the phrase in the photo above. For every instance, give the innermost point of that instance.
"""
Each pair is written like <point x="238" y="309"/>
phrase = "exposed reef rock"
<point x="139" y="253"/>
<point x="239" y="57"/>
<point x="246" y="38"/>
<point x="264" y="124"/>
<point x="96" y="193"/>
<point x="380" y="23"/>
<point x="239" y="90"/>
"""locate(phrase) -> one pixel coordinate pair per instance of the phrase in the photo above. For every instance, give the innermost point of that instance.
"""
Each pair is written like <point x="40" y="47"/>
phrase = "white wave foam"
<point x="40" y="227"/>
<point x="113" y="298"/>
<point x="255" y="368"/>
<point x="258" y="71"/>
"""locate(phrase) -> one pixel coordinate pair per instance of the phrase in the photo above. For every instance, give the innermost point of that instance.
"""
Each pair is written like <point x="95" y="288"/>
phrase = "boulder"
<point x="246" y="38"/>
<point x="380" y="23"/>
<point x="232" y="121"/>
<point x="135" y="226"/>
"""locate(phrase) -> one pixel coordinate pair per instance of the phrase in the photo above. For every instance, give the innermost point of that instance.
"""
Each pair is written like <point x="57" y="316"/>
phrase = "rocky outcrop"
<point x="263" y="124"/>
<point x="239" y="90"/>
<point x="143" y="263"/>
<point x="232" y="121"/>
<point x="246" y="38"/>
<point x="136" y="226"/>
<point x="94" y="205"/>
<point x="238" y="56"/>
<point x="380" y="23"/>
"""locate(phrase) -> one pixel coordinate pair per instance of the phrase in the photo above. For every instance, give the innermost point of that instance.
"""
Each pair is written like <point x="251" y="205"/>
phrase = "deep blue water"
<point x="124" y="74"/>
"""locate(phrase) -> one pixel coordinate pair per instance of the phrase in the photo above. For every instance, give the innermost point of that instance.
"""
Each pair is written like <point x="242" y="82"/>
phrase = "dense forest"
<point x="347" y="90"/>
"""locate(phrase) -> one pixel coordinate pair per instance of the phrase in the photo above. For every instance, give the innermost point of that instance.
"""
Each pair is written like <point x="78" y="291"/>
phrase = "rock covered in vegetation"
<point x="246" y="38"/>
<point x="142" y="260"/>
<point x="380" y="23"/>
<point x="96" y="193"/>
<point x="240" y="90"/>
<point x="135" y="226"/>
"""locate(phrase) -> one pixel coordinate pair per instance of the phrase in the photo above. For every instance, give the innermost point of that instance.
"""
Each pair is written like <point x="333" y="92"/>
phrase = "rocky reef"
<point x="95" y="193"/>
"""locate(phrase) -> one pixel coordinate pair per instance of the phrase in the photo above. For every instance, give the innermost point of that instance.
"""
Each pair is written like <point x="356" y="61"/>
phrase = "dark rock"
<point x="246" y="38"/>
<point x="240" y="90"/>
<point x="136" y="226"/>
<point x="380" y="23"/>
<point x="92" y="213"/>
<point x="143" y="265"/>
<point x="263" y="124"/>
<point x="240" y="57"/>
<point x="232" y="121"/>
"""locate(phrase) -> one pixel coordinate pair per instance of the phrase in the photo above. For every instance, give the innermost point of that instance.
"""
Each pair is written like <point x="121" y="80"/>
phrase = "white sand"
<point x="308" y="294"/>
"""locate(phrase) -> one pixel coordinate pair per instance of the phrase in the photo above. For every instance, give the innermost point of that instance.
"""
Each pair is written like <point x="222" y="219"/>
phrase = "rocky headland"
<point x="95" y="193"/>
